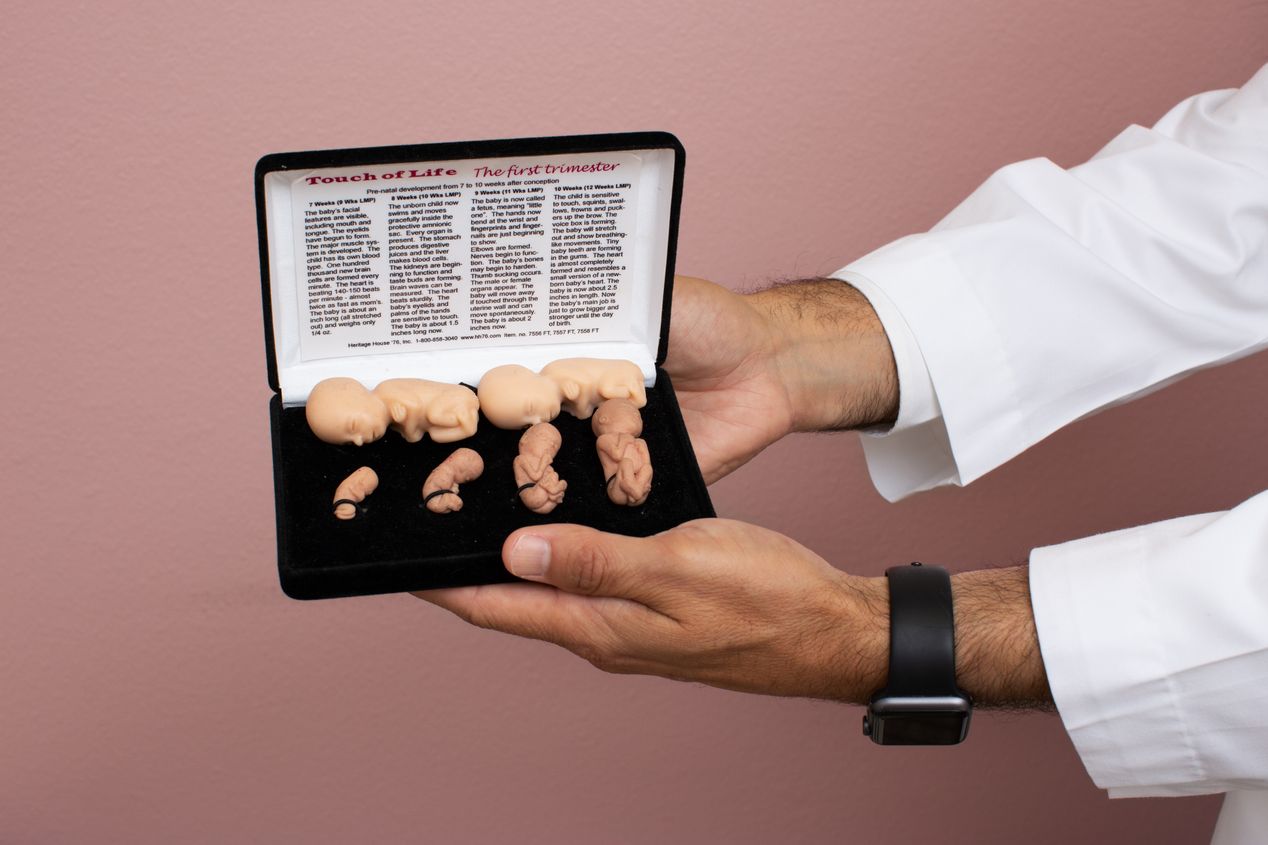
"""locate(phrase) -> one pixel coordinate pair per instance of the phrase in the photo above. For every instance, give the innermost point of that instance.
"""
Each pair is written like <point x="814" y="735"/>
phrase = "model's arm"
<point x="747" y="370"/>
<point x="831" y="353"/>
<point x="737" y="606"/>
<point x="1048" y="295"/>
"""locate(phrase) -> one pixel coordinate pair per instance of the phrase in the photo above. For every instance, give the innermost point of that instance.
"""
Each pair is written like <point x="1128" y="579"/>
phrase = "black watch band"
<point x="920" y="704"/>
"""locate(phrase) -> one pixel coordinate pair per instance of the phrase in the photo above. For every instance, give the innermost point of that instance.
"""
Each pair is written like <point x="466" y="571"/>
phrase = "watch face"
<point x="919" y="721"/>
<point x="921" y="728"/>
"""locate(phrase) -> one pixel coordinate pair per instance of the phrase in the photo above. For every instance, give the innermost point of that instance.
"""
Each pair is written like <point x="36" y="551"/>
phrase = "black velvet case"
<point x="395" y="544"/>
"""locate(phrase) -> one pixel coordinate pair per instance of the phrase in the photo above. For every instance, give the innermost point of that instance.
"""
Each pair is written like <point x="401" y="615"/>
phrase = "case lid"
<point x="442" y="261"/>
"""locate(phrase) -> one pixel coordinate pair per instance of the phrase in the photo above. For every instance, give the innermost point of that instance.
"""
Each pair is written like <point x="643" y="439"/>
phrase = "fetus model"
<point x="440" y="490"/>
<point x="353" y="490"/>
<point x="627" y="465"/>
<point x="585" y="382"/>
<point x="513" y="397"/>
<point x="540" y="487"/>
<point x="447" y="412"/>
<point x="341" y="410"/>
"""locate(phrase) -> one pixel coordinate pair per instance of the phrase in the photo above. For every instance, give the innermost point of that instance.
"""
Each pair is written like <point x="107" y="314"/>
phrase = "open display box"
<point x="441" y="262"/>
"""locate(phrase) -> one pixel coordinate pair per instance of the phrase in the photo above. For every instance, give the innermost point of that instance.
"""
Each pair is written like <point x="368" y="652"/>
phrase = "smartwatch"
<point x="920" y="703"/>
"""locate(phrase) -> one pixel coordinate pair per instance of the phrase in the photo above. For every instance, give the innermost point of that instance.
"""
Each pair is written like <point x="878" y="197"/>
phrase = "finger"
<point x="587" y="562"/>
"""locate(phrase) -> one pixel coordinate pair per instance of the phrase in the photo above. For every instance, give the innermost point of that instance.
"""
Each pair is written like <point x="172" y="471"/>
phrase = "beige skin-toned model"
<point x="513" y="397"/>
<point x="440" y="490"/>
<point x="627" y="465"/>
<point x="341" y="410"/>
<point x="446" y="412"/>
<point x="540" y="487"/>
<point x="353" y="490"/>
<point x="585" y="382"/>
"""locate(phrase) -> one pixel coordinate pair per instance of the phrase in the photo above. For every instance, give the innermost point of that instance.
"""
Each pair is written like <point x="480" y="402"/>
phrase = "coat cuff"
<point x="913" y="285"/>
<point x="1155" y="642"/>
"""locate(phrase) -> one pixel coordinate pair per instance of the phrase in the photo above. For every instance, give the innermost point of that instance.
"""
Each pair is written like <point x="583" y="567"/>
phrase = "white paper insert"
<point x="443" y="270"/>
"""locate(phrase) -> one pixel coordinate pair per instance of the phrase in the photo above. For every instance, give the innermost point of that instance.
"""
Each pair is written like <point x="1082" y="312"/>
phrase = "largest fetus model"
<point x="446" y="412"/>
<point x="341" y="410"/>
<point x="586" y="382"/>
<point x="515" y="397"/>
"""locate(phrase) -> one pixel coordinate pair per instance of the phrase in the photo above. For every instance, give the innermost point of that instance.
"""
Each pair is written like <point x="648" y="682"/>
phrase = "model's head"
<point x="541" y="438"/>
<point x="341" y="410"/>
<point x="513" y="397"/>
<point x="617" y="416"/>
<point x="467" y="464"/>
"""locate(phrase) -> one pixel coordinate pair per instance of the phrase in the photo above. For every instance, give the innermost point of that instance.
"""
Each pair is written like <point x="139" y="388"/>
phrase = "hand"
<point x="808" y="356"/>
<point x="736" y="606"/>
<point x="722" y="362"/>
<point x="715" y="601"/>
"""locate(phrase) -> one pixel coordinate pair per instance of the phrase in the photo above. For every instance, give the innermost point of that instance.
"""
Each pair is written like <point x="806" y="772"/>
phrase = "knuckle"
<point x="479" y="611"/>
<point x="599" y="647"/>
<point x="593" y="569"/>
<point x="478" y="616"/>
<point x="592" y="653"/>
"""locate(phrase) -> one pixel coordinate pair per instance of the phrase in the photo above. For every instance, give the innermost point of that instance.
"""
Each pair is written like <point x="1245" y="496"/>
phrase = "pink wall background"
<point x="157" y="686"/>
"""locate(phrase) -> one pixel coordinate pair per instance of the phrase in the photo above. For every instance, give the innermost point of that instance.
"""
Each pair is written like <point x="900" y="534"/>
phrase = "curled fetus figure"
<point x="353" y="490"/>
<point x="440" y="490"/>
<point x="341" y="410"/>
<point x="585" y="382"/>
<point x="627" y="465"/>
<point x="447" y="412"/>
<point x="513" y="397"/>
<point x="540" y="487"/>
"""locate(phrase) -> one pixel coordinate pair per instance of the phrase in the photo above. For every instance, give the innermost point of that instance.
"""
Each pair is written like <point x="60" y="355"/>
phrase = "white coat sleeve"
<point x="1050" y="294"/>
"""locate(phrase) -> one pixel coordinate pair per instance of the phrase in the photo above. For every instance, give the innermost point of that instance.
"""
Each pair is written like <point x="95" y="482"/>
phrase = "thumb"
<point x="581" y="560"/>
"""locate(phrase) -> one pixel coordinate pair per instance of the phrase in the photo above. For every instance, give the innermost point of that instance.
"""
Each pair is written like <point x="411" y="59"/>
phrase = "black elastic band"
<point x="921" y="631"/>
<point x="356" y="505"/>
<point x="433" y="494"/>
<point x="608" y="483"/>
<point x="527" y="486"/>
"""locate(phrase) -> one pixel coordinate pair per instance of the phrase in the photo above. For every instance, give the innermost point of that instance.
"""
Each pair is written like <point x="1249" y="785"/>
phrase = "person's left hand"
<point x="716" y="601"/>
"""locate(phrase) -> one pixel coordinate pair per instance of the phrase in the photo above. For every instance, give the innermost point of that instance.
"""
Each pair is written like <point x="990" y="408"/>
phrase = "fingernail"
<point x="529" y="556"/>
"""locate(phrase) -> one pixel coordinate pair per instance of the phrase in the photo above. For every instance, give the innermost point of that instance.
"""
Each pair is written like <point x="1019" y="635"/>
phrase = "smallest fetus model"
<point x="447" y="412"/>
<point x="627" y="465"/>
<point x="540" y="487"/>
<point x="353" y="490"/>
<point x="341" y="410"/>
<point x="585" y="382"/>
<point x="513" y="397"/>
<point x="440" y="490"/>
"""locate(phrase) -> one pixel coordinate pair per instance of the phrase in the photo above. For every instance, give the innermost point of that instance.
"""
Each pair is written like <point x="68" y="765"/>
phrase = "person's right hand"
<point x="747" y="370"/>
<point x="722" y="362"/>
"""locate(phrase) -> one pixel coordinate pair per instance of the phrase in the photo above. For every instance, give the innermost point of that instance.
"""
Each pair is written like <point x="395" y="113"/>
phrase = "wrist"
<point x="997" y="654"/>
<point x="859" y="661"/>
<point x="830" y="350"/>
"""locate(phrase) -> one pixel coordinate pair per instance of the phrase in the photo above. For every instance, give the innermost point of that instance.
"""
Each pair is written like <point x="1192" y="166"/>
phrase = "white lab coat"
<point x="1045" y="296"/>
